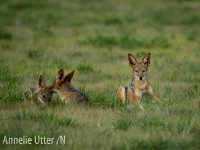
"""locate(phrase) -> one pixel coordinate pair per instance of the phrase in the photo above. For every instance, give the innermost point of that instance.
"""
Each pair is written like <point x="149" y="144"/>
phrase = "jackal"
<point x="66" y="90"/>
<point x="139" y="84"/>
<point x="41" y="91"/>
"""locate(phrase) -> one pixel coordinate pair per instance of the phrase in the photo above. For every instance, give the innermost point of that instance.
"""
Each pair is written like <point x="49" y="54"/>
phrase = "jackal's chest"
<point x="141" y="85"/>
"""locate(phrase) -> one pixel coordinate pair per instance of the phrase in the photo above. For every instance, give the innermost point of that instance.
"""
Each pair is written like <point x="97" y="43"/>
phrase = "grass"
<point x="46" y="118"/>
<point x="94" y="38"/>
<point x="125" y="41"/>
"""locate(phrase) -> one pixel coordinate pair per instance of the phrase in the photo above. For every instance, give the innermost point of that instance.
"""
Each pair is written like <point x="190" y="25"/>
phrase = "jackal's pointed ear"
<point x="69" y="76"/>
<point x="41" y="81"/>
<point x="60" y="74"/>
<point x="146" y="59"/>
<point x="132" y="60"/>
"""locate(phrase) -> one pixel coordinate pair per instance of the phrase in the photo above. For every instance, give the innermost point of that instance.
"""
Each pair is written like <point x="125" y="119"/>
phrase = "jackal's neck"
<point x="141" y="84"/>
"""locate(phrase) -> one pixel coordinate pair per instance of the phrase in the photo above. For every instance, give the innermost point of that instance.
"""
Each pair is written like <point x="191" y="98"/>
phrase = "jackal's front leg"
<point x="130" y="96"/>
<point x="137" y="96"/>
<point x="150" y="91"/>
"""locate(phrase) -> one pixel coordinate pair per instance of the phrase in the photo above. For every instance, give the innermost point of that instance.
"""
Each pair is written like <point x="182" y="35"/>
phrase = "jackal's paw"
<point x="156" y="99"/>
<point x="140" y="106"/>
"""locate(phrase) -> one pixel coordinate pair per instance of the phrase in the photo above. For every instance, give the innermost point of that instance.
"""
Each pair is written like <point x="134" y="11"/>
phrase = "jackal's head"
<point x="44" y="93"/>
<point x="62" y="82"/>
<point x="140" y="69"/>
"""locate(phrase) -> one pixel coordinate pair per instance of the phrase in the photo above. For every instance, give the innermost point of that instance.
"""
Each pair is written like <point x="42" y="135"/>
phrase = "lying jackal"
<point x="140" y="83"/>
<point x="66" y="90"/>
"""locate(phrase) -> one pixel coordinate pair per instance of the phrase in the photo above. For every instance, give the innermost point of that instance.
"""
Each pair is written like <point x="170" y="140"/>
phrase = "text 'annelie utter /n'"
<point x="37" y="139"/>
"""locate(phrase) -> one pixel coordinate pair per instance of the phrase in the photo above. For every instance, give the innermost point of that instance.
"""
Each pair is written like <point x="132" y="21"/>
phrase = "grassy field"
<point x="94" y="37"/>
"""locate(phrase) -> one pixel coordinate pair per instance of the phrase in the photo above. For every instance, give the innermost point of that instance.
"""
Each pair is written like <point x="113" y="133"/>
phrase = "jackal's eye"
<point x="44" y="96"/>
<point x="143" y="71"/>
<point x="136" y="71"/>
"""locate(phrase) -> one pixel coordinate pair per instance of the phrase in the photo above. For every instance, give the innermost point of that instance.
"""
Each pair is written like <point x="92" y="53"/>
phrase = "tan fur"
<point x="121" y="94"/>
<point x="130" y="96"/>
<point x="140" y="82"/>
<point x="66" y="90"/>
